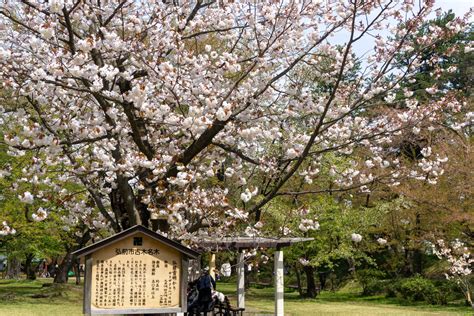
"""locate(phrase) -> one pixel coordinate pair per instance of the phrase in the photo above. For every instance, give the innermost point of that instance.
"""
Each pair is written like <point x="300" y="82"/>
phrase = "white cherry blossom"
<point x="179" y="120"/>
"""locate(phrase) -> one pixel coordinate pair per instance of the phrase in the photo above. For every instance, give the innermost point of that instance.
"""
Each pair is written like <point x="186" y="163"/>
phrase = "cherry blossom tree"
<point x="460" y="264"/>
<point x="197" y="115"/>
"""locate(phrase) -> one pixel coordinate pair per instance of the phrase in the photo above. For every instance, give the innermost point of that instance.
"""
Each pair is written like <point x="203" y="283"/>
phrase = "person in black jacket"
<point x="205" y="285"/>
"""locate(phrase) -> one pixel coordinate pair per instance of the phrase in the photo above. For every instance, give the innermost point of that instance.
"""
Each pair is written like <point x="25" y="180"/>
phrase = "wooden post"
<point x="87" y="286"/>
<point x="240" y="280"/>
<point x="279" y="282"/>
<point x="212" y="265"/>
<point x="184" y="285"/>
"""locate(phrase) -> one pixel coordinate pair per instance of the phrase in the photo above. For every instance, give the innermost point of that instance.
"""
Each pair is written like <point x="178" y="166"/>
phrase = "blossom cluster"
<point x="7" y="230"/>
<point x="458" y="256"/>
<point x="179" y="112"/>
<point x="357" y="238"/>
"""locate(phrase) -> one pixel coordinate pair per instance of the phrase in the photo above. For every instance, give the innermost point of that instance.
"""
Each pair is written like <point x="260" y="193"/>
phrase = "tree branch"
<point x="236" y="152"/>
<point x="315" y="133"/>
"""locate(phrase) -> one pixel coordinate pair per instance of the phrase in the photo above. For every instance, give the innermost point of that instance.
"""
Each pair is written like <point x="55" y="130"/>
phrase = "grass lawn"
<point x="260" y="300"/>
<point x="17" y="299"/>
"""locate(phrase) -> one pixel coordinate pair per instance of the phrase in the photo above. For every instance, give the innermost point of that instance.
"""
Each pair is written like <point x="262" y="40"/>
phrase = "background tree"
<point x="47" y="227"/>
<point x="440" y="66"/>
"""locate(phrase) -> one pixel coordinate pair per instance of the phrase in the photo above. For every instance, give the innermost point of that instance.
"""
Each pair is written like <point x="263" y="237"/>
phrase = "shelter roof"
<point x="132" y="231"/>
<point x="245" y="242"/>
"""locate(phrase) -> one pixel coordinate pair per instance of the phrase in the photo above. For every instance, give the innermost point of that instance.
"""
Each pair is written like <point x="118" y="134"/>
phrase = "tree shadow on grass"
<point x="24" y="291"/>
<point x="267" y="294"/>
<point x="18" y="289"/>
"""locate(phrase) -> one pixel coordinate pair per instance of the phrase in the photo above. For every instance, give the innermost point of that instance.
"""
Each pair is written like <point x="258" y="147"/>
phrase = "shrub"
<point x="392" y="289"/>
<point x="372" y="281"/>
<point x="374" y="287"/>
<point x="449" y="290"/>
<point x="417" y="289"/>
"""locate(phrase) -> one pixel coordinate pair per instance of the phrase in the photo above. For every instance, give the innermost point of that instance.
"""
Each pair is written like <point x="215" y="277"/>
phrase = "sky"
<point x="459" y="7"/>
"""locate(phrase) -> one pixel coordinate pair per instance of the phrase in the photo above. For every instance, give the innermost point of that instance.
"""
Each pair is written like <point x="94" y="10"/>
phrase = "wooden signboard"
<point x="136" y="272"/>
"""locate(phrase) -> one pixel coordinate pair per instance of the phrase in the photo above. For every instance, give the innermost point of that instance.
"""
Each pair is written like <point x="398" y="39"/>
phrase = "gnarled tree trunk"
<point x="29" y="269"/>
<point x="77" y="271"/>
<point x="322" y="279"/>
<point x="298" y="281"/>
<point x="311" y="290"/>
<point x="417" y="254"/>
<point x="69" y="259"/>
<point x="13" y="268"/>
<point x="64" y="267"/>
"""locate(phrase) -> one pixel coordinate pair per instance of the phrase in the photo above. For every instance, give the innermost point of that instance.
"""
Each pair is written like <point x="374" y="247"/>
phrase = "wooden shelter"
<point x="245" y="243"/>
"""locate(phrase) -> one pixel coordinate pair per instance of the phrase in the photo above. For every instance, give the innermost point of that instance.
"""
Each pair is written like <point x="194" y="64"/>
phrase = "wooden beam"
<point x="184" y="284"/>
<point x="279" y="283"/>
<point x="241" y="280"/>
<point x="86" y="307"/>
<point x="239" y="243"/>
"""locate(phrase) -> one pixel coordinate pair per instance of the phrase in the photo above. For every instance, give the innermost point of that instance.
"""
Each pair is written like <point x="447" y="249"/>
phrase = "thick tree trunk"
<point x="66" y="264"/>
<point x="298" y="281"/>
<point x="246" y="277"/>
<point x="408" y="263"/>
<point x="322" y="279"/>
<point x="417" y="255"/>
<point x="69" y="260"/>
<point x="13" y="268"/>
<point x="120" y="212"/>
<point x="468" y="298"/>
<point x="417" y="261"/>
<point x="311" y="284"/>
<point x="352" y="267"/>
<point x="29" y="269"/>
<point x="77" y="271"/>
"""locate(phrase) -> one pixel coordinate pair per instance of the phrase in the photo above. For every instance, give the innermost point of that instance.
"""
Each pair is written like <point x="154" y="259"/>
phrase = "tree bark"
<point x="311" y="284"/>
<point x="468" y="298"/>
<point x="66" y="264"/>
<point x="298" y="281"/>
<point x="322" y="279"/>
<point x="352" y="267"/>
<point x="417" y="261"/>
<point x="29" y="269"/>
<point x="77" y="271"/>
<point x="70" y="260"/>
<point x="246" y="277"/>
<point x="408" y="263"/>
<point x="13" y="268"/>
<point x="417" y="255"/>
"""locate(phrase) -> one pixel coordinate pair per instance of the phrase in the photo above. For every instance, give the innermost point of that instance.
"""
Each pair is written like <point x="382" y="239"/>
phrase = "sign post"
<point x="136" y="271"/>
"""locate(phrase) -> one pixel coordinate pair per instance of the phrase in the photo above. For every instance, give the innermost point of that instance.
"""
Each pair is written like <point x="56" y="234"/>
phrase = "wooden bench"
<point x="207" y="309"/>
<point x="226" y="309"/>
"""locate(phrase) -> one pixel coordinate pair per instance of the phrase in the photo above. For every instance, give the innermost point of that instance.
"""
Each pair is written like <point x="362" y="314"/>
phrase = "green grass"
<point x="16" y="300"/>
<point x="348" y="302"/>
